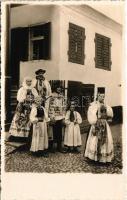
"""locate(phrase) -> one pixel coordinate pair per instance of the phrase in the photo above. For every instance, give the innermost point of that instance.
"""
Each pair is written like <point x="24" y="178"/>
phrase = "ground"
<point x="23" y="161"/>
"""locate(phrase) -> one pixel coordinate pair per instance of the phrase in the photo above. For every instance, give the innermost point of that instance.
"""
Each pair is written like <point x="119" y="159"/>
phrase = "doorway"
<point x="82" y="94"/>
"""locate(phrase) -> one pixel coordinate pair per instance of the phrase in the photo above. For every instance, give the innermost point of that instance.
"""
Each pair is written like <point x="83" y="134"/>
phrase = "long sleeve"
<point x="33" y="114"/>
<point x="34" y="82"/>
<point x="79" y="119"/>
<point x="48" y="87"/>
<point x="91" y="114"/>
<point x="47" y="119"/>
<point x="34" y="92"/>
<point x="21" y="95"/>
<point x="67" y="120"/>
<point x="109" y="111"/>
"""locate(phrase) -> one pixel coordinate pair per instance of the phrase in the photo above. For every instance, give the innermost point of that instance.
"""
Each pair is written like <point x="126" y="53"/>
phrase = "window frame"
<point x="37" y="38"/>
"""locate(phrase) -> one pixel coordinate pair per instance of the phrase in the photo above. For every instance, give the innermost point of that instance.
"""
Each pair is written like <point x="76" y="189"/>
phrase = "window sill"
<point x="103" y="68"/>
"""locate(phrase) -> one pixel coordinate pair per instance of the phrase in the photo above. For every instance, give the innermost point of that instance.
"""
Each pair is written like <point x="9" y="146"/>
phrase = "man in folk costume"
<point x="57" y="116"/>
<point x="43" y="87"/>
<point x="99" y="146"/>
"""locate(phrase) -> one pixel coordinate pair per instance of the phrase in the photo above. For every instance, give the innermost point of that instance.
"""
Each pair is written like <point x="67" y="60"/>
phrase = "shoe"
<point x="33" y="153"/>
<point x="36" y="154"/>
<point x="69" y="150"/>
<point x="63" y="151"/>
<point x="76" y="150"/>
<point x="46" y="155"/>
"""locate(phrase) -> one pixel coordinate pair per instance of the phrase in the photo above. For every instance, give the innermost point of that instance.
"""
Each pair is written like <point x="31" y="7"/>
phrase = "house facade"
<point x="77" y="46"/>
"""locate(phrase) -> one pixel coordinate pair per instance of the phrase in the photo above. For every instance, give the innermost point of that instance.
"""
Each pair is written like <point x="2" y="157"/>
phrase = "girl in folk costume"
<point x="39" y="118"/>
<point x="20" y="126"/>
<point x="99" y="146"/>
<point x="72" y="138"/>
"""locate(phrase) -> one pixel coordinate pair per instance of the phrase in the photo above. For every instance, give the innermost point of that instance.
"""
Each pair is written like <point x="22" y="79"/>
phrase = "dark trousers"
<point x="57" y="133"/>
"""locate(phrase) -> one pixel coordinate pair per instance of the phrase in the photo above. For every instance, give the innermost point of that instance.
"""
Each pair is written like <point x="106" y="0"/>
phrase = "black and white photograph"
<point x="63" y="90"/>
<point x="63" y="101"/>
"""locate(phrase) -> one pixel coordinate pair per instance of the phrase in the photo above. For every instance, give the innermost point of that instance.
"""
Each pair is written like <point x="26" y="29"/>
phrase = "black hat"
<point x="40" y="71"/>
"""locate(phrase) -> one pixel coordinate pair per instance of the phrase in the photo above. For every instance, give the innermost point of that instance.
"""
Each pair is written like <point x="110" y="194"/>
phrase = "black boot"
<point x="36" y="154"/>
<point x="45" y="153"/>
<point x="59" y="146"/>
<point x="76" y="150"/>
<point x="51" y="147"/>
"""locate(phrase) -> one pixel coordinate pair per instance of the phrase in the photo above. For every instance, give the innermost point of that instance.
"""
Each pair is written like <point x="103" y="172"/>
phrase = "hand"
<point x="52" y="122"/>
<point x="75" y="122"/>
<point x="47" y="123"/>
<point x="109" y="119"/>
<point x="103" y="116"/>
<point x="28" y="98"/>
<point x="94" y="131"/>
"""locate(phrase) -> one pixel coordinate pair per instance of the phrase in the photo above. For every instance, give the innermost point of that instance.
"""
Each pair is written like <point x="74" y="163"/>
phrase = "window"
<point x="101" y="90"/>
<point x="76" y="44"/>
<point x="40" y="42"/>
<point x="102" y="52"/>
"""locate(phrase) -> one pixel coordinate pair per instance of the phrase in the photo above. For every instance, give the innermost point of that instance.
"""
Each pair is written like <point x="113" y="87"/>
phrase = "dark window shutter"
<point x="18" y="51"/>
<point x="24" y="39"/>
<point x="76" y="44"/>
<point x="19" y="43"/>
<point x="47" y="40"/>
<point x="102" y="52"/>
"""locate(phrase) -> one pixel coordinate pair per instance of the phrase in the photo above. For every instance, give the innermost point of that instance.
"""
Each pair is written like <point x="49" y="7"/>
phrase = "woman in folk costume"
<point x="39" y="119"/>
<point x="43" y="87"/>
<point x="99" y="146"/>
<point x="72" y="138"/>
<point x="27" y="92"/>
<point x="20" y="126"/>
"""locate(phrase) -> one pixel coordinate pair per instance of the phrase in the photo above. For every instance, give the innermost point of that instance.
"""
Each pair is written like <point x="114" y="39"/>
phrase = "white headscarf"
<point x="24" y="83"/>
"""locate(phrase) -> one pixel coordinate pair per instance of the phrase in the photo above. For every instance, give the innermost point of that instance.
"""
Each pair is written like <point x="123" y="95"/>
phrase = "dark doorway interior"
<point x="82" y="94"/>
